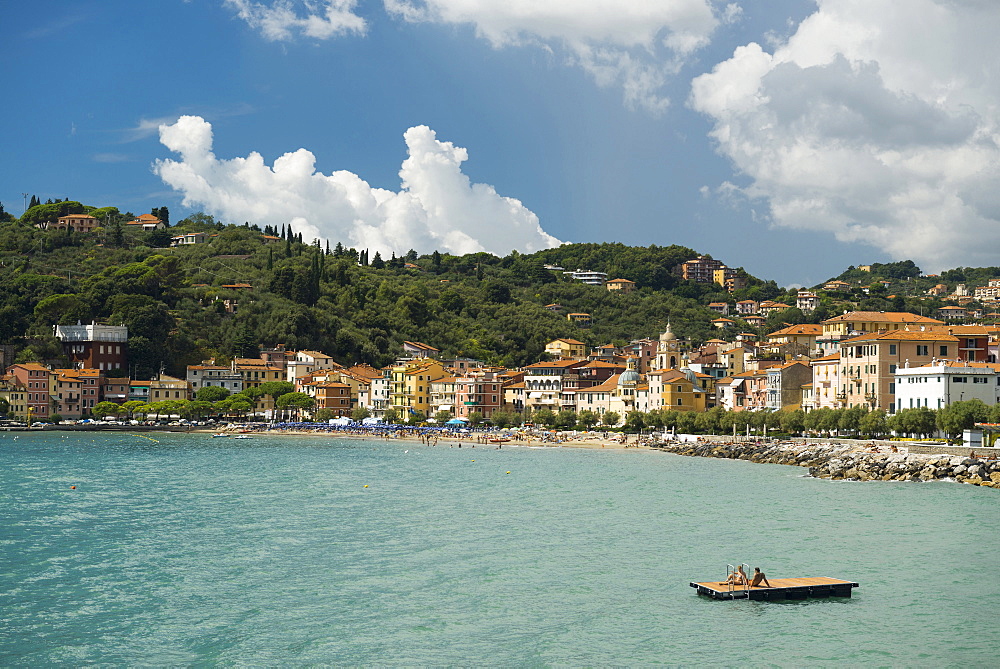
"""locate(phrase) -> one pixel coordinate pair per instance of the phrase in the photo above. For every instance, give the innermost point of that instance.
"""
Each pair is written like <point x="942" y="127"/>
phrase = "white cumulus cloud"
<point x="636" y="44"/>
<point x="877" y="122"/>
<point x="281" y="20"/>
<point x="437" y="207"/>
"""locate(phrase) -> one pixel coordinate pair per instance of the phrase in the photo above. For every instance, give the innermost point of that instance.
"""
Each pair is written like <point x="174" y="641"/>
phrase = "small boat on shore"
<point x="219" y="434"/>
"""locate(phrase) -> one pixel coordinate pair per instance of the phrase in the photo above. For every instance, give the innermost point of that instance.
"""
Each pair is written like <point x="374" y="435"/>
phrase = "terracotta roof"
<point x="31" y="365"/>
<point x="607" y="387"/>
<point x="365" y="370"/>
<point x="803" y="329"/>
<point x="882" y="317"/>
<point x="421" y="346"/>
<point x="555" y="363"/>
<point x="903" y="335"/>
<point x="316" y="354"/>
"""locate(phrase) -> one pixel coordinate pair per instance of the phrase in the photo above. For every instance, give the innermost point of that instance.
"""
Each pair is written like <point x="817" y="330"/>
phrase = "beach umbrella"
<point x="456" y="421"/>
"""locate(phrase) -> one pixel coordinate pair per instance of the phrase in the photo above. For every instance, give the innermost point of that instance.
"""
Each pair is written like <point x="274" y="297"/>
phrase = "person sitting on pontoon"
<point x="758" y="578"/>
<point x="738" y="577"/>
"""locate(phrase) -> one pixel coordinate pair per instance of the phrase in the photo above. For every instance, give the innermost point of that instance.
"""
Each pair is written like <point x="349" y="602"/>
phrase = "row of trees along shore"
<point x="855" y="422"/>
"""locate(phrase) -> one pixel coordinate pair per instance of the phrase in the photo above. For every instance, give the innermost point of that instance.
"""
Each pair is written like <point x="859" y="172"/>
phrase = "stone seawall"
<point x="838" y="461"/>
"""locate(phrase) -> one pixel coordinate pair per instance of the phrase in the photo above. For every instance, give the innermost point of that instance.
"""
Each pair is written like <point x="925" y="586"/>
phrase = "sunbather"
<point x="758" y="578"/>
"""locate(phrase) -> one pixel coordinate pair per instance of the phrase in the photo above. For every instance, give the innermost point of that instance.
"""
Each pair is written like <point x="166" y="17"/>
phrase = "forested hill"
<point x="245" y="287"/>
<point x="225" y="297"/>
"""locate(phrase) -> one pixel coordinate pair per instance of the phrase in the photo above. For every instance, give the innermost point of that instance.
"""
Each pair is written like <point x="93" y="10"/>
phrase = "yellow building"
<point x="855" y="323"/>
<point x="410" y="385"/>
<point x="566" y="348"/>
<point x="620" y="286"/>
<point x="678" y="391"/>
<point x="16" y="397"/>
<point x="254" y="372"/>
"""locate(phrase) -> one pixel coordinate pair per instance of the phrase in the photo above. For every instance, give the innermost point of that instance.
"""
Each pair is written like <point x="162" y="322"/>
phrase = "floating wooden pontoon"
<point x="781" y="588"/>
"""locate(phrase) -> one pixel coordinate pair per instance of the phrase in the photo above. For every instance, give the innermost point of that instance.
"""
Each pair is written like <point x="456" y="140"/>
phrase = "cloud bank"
<point x="877" y="122"/>
<point x="281" y="20"/>
<point x="636" y="44"/>
<point x="437" y="207"/>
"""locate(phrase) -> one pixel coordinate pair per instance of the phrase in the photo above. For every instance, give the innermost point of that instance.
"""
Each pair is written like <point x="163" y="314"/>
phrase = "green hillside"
<point x="226" y="297"/>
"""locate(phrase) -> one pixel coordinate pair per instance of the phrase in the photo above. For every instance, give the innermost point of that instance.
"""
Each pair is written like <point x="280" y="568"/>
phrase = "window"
<point x="922" y="349"/>
<point x="892" y="388"/>
<point x="943" y="350"/>
<point x="680" y="402"/>
<point x="892" y="369"/>
<point x="892" y="349"/>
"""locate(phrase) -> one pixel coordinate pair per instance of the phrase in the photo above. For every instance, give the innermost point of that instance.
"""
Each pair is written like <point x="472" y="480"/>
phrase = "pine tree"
<point x="377" y="261"/>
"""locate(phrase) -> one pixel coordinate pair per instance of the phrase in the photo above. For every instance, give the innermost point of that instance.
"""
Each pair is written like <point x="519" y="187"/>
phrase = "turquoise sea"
<point x="188" y="550"/>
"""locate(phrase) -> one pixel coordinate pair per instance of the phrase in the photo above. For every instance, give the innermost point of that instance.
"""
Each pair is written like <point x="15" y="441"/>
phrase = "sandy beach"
<point x="466" y="440"/>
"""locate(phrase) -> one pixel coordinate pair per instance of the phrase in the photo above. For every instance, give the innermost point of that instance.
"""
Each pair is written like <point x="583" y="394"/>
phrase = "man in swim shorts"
<point x="758" y="578"/>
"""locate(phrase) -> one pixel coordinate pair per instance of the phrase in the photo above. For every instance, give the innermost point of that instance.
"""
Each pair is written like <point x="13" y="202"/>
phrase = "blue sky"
<point x="790" y="137"/>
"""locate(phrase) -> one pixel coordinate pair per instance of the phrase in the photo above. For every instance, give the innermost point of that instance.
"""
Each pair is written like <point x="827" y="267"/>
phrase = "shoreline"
<point x="472" y="439"/>
<point x="846" y="462"/>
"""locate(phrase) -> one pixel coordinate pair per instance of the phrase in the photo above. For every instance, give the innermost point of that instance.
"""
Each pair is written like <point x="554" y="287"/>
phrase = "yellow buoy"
<point x="508" y="472"/>
<point x="366" y="485"/>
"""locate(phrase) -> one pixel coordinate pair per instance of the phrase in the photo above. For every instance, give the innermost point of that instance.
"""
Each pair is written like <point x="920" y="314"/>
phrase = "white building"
<point x="202" y="376"/>
<point x="308" y="362"/>
<point x="588" y="277"/>
<point x="939" y="384"/>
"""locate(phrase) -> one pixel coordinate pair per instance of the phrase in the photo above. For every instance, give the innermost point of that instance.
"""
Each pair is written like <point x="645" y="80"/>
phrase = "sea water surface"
<point x="183" y="549"/>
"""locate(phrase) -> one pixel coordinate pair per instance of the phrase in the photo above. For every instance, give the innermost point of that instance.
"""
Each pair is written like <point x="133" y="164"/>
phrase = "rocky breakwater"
<point x="841" y="462"/>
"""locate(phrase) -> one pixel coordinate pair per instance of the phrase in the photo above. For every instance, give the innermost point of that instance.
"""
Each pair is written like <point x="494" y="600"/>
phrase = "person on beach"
<point x="738" y="577"/>
<point x="758" y="578"/>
